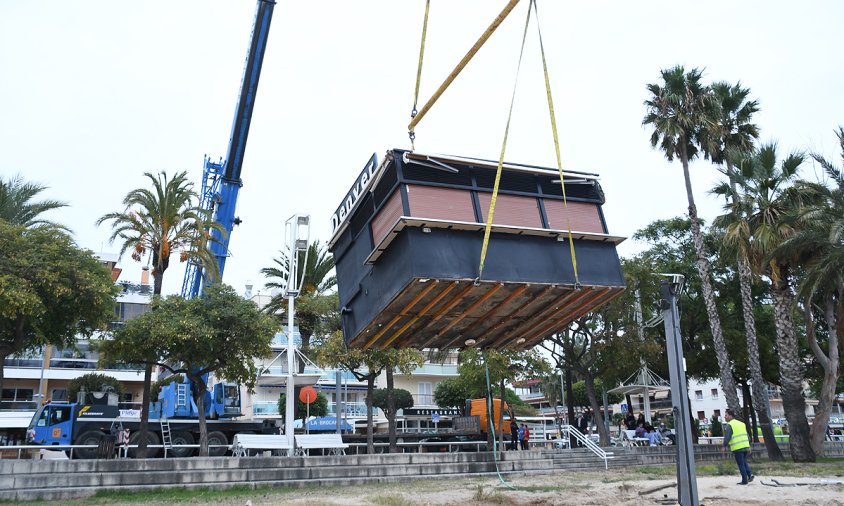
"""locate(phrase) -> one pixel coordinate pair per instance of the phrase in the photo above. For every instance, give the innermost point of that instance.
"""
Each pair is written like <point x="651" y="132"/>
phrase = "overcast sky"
<point x="94" y="93"/>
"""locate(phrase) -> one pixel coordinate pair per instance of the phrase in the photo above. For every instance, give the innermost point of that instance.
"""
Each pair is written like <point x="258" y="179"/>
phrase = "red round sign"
<point x="307" y="395"/>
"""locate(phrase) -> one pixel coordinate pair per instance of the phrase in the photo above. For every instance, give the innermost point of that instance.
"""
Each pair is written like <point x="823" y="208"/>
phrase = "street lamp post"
<point x="298" y="232"/>
<point x="686" y="471"/>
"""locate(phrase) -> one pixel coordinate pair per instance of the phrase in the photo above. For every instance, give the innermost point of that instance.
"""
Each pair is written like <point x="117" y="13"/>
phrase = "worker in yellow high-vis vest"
<point x="738" y="441"/>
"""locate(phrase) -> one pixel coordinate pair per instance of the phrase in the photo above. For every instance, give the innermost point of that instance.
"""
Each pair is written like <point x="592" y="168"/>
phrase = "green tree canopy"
<point x="318" y="408"/>
<point x="51" y="291"/>
<point x="17" y="207"/>
<point x="220" y="333"/>
<point x="93" y="382"/>
<point x="452" y="393"/>
<point x="404" y="399"/>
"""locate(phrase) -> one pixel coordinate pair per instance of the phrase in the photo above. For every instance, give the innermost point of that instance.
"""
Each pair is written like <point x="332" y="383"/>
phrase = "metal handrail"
<point x="569" y="431"/>
<point x="416" y="446"/>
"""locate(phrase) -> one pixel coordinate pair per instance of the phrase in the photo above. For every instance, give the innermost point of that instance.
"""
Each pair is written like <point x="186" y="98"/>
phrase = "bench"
<point x="332" y="442"/>
<point x="51" y="455"/>
<point x="629" y="439"/>
<point x="242" y="443"/>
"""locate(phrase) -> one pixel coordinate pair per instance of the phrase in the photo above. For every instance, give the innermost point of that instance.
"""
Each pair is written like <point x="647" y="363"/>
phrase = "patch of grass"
<point x="491" y="497"/>
<point x="716" y="469"/>
<point x="666" y="470"/>
<point x="547" y="488"/>
<point x="390" y="500"/>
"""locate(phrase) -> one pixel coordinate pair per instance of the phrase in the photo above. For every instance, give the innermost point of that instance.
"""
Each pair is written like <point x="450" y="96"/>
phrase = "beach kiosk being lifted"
<point x="408" y="236"/>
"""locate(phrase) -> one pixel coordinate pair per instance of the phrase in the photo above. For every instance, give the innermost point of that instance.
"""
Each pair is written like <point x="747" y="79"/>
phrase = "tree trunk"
<point x="145" y="401"/>
<point x="749" y="412"/>
<point x="596" y="409"/>
<point x="791" y="371"/>
<point x="391" y="410"/>
<point x="157" y="279"/>
<point x="503" y="436"/>
<point x="570" y="406"/>
<point x="761" y="402"/>
<point x="728" y="384"/>
<point x="199" y="400"/>
<point x="370" y="440"/>
<point x="829" y="362"/>
<point x="2" y="363"/>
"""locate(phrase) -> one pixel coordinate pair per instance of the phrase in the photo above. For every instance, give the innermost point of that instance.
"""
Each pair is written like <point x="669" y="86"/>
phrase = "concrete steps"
<point x="64" y="479"/>
<point x="52" y="480"/>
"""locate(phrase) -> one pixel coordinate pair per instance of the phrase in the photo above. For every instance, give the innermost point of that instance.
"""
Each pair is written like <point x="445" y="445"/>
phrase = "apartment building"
<point x="42" y="375"/>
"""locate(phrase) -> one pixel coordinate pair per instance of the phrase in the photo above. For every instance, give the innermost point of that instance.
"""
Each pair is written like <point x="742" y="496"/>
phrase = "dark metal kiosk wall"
<point x="408" y="248"/>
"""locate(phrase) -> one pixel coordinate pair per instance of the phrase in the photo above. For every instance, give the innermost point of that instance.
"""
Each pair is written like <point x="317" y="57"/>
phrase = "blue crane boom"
<point x="221" y="180"/>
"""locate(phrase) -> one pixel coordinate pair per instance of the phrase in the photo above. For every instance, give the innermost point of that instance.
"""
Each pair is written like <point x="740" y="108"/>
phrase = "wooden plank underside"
<point x="445" y="313"/>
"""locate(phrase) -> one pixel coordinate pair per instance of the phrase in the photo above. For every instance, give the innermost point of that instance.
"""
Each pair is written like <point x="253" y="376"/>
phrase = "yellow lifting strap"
<point x="419" y="73"/>
<point x="556" y="144"/>
<point x="491" y="211"/>
<point x="448" y="80"/>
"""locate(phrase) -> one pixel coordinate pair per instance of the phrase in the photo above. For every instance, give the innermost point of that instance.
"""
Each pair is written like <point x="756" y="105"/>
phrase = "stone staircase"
<point x="65" y="479"/>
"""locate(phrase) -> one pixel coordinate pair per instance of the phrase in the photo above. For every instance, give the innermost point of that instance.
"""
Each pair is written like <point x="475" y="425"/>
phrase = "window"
<point x="426" y="393"/>
<point x="59" y="414"/>
<point x="701" y="415"/>
<point x="59" y="394"/>
<point x="17" y="394"/>
<point x="699" y="395"/>
<point x="717" y="413"/>
<point x="714" y="394"/>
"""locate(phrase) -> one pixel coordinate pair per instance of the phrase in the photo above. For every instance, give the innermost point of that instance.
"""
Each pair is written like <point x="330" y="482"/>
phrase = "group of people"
<point x="645" y="430"/>
<point x="519" y="436"/>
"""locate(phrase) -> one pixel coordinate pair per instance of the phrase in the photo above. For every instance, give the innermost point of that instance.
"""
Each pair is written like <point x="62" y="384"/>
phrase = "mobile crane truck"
<point x="88" y="422"/>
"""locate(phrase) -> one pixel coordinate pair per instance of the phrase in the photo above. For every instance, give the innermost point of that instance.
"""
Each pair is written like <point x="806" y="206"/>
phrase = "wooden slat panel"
<point x="386" y="217"/>
<point x="440" y="203"/>
<point x="512" y="210"/>
<point x="584" y="217"/>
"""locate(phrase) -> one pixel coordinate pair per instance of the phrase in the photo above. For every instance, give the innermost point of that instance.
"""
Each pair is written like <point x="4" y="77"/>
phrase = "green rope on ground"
<point x="489" y="422"/>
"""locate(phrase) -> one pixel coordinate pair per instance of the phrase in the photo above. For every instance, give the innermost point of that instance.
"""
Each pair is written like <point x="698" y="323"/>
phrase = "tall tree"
<point x="50" y="290"/>
<point x="592" y="346"/>
<point x="762" y="194"/>
<point x="17" y="207"/>
<point x="488" y="371"/>
<point x="405" y="360"/>
<point x="219" y="333"/>
<point x="365" y="365"/>
<point x="681" y="111"/>
<point x="735" y="133"/>
<point x="156" y="223"/>
<point x="819" y="241"/>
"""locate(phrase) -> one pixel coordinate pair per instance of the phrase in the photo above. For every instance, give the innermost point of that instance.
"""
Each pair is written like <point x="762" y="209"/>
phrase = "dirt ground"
<point x="569" y="489"/>
<point x="783" y="483"/>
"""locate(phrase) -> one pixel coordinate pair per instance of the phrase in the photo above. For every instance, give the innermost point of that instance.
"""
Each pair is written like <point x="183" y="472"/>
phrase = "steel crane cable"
<point x="460" y="66"/>
<point x="556" y="143"/>
<point x="491" y="211"/>
<point x="413" y="112"/>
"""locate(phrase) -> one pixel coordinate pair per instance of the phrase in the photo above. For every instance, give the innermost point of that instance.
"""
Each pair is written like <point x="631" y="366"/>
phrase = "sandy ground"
<point x="564" y="489"/>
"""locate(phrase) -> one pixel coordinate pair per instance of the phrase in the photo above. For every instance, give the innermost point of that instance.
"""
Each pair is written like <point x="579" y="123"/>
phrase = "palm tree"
<point x="16" y="204"/>
<point x="734" y="132"/>
<point x="158" y="222"/>
<point x="762" y="198"/>
<point x="820" y="241"/>
<point x="681" y="111"/>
